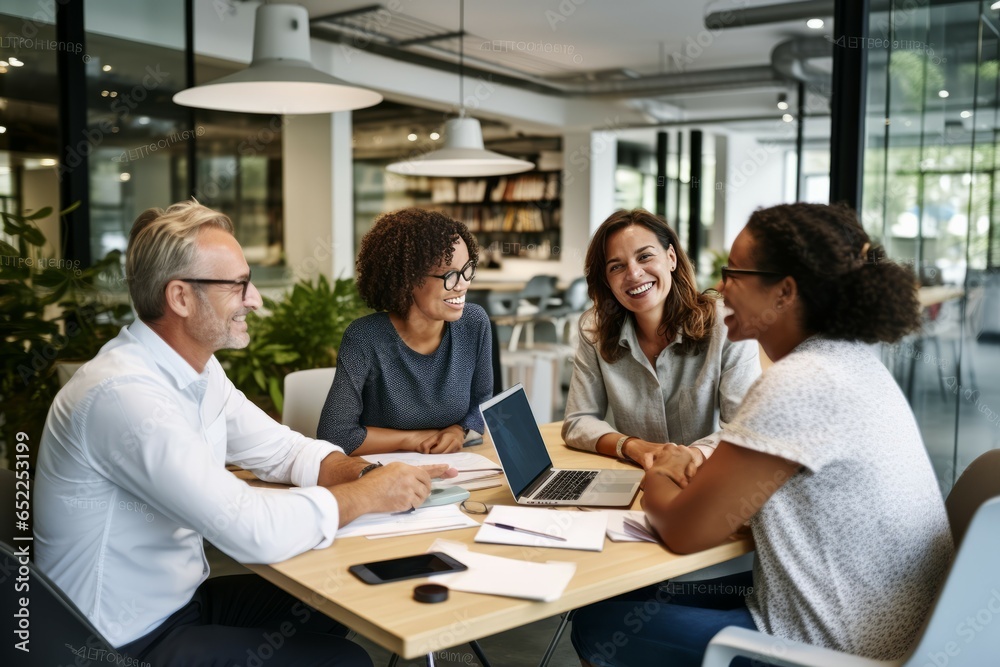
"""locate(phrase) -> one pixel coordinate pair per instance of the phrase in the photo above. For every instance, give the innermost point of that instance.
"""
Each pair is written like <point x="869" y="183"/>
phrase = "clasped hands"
<point x="677" y="462"/>
<point x="437" y="441"/>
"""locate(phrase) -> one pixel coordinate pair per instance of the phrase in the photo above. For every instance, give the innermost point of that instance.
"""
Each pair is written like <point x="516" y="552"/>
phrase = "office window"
<point x="929" y="196"/>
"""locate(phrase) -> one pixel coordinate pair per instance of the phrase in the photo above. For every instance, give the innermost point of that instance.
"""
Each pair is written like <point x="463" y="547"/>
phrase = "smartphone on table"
<point x="408" y="567"/>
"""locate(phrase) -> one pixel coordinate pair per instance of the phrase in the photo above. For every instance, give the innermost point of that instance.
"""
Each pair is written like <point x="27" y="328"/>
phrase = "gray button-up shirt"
<point x="682" y="400"/>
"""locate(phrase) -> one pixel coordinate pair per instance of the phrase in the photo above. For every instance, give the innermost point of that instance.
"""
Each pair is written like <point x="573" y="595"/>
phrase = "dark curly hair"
<point x="849" y="289"/>
<point x="686" y="311"/>
<point x="398" y="252"/>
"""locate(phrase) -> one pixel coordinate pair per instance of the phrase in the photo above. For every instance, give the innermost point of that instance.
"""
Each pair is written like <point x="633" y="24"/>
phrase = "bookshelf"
<point x="511" y="216"/>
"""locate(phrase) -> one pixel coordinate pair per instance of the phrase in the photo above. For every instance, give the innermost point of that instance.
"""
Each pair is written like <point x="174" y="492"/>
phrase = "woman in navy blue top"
<point x="412" y="376"/>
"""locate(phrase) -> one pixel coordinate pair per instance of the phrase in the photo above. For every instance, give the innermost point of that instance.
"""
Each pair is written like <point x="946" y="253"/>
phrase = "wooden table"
<point x="388" y="615"/>
<point x="935" y="294"/>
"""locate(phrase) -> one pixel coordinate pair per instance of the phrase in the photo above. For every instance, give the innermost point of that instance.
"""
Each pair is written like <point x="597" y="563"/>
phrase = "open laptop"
<point x="528" y="468"/>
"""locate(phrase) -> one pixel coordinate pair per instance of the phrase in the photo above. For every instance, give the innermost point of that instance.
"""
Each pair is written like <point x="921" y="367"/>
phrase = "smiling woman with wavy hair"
<point x="653" y="350"/>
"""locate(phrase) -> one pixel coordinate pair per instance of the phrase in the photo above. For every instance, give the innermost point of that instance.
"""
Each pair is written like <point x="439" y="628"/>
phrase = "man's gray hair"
<point x="161" y="248"/>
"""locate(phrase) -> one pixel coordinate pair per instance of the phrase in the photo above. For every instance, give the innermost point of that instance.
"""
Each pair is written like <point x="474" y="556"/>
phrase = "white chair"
<point x="972" y="591"/>
<point x="305" y="395"/>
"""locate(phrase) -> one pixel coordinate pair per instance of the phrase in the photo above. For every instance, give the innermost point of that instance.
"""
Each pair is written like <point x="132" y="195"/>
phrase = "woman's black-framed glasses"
<point x="245" y="284"/>
<point x="475" y="507"/>
<point x="728" y="272"/>
<point x="451" y="277"/>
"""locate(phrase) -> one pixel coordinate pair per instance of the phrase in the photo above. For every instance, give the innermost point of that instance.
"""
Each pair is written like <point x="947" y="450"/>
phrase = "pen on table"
<point x="507" y="526"/>
<point x="461" y="470"/>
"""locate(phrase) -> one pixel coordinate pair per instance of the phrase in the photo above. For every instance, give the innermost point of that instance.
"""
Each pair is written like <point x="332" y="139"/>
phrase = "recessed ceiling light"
<point x="815" y="24"/>
<point x="4" y="63"/>
<point x="104" y="93"/>
<point x="787" y="117"/>
<point x="3" y="70"/>
<point x="142" y="120"/>
<point x="412" y="136"/>
<point x="434" y="136"/>
<point x="14" y="62"/>
<point x="106" y="68"/>
<point x="114" y="93"/>
<point x="966" y="113"/>
<point x="3" y="128"/>
<point x="124" y="177"/>
<point x="995" y="5"/>
<point x="943" y="93"/>
<point x="47" y="162"/>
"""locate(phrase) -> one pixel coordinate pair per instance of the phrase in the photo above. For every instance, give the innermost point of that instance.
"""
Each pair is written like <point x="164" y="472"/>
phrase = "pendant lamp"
<point x="281" y="78"/>
<point x="463" y="153"/>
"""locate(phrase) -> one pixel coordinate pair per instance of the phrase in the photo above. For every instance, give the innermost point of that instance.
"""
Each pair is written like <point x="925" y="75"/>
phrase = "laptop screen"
<point x="516" y="437"/>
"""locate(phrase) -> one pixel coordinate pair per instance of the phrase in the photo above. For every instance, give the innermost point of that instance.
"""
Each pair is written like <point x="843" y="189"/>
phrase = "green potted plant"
<point x="301" y="331"/>
<point x="51" y="311"/>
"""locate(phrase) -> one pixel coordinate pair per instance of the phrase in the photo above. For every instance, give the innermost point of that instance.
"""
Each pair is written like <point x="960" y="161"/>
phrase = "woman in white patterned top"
<point x="653" y="350"/>
<point x="824" y="459"/>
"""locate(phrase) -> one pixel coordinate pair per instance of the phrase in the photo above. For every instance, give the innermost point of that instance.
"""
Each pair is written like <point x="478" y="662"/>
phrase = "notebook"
<point x="528" y="468"/>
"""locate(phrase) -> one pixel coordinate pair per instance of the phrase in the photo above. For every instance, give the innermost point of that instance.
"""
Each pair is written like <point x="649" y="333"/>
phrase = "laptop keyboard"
<point x="567" y="485"/>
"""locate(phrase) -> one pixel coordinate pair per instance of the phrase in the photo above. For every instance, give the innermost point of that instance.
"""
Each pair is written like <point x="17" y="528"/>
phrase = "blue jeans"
<point x="667" y="624"/>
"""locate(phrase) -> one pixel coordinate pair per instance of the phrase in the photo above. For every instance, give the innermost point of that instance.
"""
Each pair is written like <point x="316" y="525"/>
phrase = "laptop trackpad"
<point x="610" y="487"/>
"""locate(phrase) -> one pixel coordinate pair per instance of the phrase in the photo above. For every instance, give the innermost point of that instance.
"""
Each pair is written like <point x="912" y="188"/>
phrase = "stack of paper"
<point x="422" y="520"/>
<point x="474" y="470"/>
<point x="560" y="530"/>
<point x="629" y="526"/>
<point x="493" y="575"/>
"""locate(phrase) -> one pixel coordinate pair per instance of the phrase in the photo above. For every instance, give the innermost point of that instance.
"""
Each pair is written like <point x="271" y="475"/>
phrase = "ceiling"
<point x="525" y="42"/>
<point x="534" y="43"/>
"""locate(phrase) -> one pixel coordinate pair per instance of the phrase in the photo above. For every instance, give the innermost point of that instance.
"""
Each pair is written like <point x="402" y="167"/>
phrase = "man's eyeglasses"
<point x="451" y="277"/>
<point x="245" y="284"/>
<point x="727" y="273"/>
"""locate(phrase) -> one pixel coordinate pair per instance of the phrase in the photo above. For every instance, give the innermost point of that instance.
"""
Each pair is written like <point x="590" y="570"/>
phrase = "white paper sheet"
<point x="493" y="575"/>
<point x="618" y="531"/>
<point x="459" y="460"/>
<point x="580" y="530"/>
<point x="422" y="520"/>
<point x="475" y="466"/>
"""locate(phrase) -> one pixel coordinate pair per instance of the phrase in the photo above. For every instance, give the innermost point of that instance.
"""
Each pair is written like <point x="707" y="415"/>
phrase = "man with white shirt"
<point x="131" y="471"/>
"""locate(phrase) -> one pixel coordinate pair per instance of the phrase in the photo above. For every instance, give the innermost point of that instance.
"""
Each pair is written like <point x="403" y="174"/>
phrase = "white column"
<point x="318" y="187"/>
<point x="588" y="190"/>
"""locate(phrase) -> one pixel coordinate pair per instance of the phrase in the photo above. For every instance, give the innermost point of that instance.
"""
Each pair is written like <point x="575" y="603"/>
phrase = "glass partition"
<point x="929" y="193"/>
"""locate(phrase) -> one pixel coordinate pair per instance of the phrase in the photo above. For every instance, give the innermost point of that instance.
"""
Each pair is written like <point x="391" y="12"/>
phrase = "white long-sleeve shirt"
<point x="131" y="477"/>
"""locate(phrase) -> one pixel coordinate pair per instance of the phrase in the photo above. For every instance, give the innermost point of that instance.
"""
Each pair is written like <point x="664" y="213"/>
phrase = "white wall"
<point x="752" y="176"/>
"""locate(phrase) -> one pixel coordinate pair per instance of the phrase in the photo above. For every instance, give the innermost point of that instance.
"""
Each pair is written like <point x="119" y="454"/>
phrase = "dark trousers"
<point x="664" y="624"/>
<point x="245" y="621"/>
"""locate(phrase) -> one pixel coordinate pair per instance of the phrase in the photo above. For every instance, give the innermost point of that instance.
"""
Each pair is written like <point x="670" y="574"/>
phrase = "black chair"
<point x="58" y="633"/>
<point x="497" y="369"/>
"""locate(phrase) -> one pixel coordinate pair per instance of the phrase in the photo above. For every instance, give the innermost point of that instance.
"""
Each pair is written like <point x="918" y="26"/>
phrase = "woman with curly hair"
<point x="412" y="376"/>
<point x="824" y="459"/>
<point x="653" y="350"/>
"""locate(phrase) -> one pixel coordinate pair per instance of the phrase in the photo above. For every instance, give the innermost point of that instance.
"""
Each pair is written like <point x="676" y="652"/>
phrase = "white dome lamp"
<point x="463" y="153"/>
<point x="281" y="79"/>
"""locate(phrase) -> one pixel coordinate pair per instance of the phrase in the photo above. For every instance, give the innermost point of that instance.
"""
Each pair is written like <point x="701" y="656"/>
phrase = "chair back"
<point x="57" y="631"/>
<point x="979" y="483"/>
<point x="305" y="396"/>
<point x="538" y="291"/>
<point x="577" y="296"/>
<point x="963" y="626"/>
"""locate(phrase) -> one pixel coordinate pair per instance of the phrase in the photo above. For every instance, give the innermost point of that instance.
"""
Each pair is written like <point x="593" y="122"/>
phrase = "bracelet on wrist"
<point x="368" y="468"/>
<point x="619" y="448"/>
